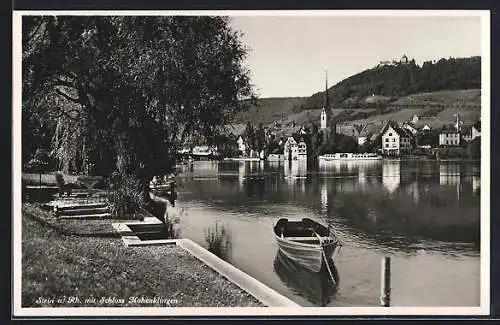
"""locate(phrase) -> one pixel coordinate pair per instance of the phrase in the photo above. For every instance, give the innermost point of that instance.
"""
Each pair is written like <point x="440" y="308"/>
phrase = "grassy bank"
<point x="102" y="272"/>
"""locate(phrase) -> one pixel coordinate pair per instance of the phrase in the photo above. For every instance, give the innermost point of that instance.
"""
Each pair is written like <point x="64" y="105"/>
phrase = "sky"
<point x="288" y="56"/>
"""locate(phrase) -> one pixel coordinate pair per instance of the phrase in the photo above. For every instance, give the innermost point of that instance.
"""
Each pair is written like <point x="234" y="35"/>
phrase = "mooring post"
<point x="385" y="287"/>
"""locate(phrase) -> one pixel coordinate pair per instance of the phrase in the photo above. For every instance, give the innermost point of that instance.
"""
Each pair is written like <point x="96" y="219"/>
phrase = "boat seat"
<point x="305" y="238"/>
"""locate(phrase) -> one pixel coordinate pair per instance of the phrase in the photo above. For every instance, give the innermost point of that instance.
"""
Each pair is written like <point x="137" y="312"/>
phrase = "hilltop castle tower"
<point x="326" y="106"/>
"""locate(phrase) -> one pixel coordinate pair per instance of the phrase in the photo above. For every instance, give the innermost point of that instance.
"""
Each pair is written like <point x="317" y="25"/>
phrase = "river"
<point x="425" y="215"/>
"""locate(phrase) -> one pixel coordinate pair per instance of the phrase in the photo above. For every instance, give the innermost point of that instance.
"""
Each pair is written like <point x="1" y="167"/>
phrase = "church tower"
<point x="326" y="105"/>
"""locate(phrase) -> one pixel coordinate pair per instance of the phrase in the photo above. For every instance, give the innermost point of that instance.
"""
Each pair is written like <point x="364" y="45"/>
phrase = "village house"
<point x="470" y="132"/>
<point x="302" y="150"/>
<point x="395" y="140"/>
<point x="241" y="145"/>
<point x="410" y="127"/>
<point x="291" y="149"/>
<point x="449" y="136"/>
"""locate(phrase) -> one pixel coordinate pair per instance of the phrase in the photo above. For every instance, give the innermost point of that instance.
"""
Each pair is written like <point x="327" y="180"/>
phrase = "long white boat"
<point x="350" y="156"/>
<point x="242" y="159"/>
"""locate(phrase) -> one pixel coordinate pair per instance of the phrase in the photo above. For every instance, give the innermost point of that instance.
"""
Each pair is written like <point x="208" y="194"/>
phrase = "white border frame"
<point x="483" y="309"/>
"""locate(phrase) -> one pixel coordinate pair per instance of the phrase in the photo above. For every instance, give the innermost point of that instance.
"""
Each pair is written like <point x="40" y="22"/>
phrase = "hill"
<point x="390" y="82"/>
<point x="435" y="90"/>
<point x="436" y="108"/>
<point x="268" y="110"/>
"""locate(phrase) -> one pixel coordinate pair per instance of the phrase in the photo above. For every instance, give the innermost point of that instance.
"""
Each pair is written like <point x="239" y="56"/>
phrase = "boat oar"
<point x="324" y="255"/>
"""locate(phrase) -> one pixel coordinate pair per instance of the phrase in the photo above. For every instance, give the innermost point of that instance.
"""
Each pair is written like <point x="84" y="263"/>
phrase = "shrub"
<point x="218" y="240"/>
<point x="60" y="183"/>
<point x="124" y="195"/>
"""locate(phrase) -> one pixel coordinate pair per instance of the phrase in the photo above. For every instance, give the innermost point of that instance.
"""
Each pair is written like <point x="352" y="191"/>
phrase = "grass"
<point x="467" y="102"/>
<point x="55" y="267"/>
<point x="96" y="227"/>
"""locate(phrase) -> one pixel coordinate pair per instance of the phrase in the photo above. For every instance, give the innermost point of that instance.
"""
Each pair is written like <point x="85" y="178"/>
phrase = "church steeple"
<point x="326" y="104"/>
<point x="327" y="101"/>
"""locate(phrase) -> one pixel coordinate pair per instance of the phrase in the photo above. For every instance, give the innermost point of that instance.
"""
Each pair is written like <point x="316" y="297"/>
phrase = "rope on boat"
<point x="328" y="266"/>
<point x="324" y="257"/>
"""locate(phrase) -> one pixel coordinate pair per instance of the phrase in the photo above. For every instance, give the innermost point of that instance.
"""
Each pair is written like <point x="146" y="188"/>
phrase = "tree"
<point x="250" y="137"/>
<point x="260" y="138"/>
<point x="127" y="92"/>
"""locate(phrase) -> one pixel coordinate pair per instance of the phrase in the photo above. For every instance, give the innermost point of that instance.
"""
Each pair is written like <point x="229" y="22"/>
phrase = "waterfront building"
<point x="302" y="150"/>
<point x="241" y="145"/>
<point x="395" y="140"/>
<point x="470" y="132"/>
<point x="449" y="137"/>
<point x="291" y="149"/>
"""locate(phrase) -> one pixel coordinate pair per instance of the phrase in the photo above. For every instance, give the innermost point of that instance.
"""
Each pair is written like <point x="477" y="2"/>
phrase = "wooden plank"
<point x="304" y="238"/>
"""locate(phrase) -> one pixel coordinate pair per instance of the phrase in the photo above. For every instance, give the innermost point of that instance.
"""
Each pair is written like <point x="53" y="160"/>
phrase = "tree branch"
<point x="74" y="100"/>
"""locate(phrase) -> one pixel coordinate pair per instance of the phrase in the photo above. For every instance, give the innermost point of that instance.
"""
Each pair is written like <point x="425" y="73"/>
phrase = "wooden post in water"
<point x="385" y="284"/>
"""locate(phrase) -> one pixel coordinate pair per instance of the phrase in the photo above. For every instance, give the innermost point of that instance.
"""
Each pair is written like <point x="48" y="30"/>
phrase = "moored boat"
<point x="305" y="242"/>
<point x="350" y="156"/>
<point x="317" y="287"/>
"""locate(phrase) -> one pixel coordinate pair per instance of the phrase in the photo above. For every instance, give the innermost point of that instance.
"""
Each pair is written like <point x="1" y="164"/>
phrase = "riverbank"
<point x="101" y="272"/>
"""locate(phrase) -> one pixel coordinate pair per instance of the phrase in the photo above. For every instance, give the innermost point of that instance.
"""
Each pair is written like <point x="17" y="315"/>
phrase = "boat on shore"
<point x="342" y="156"/>
<point x="305" y="242"/>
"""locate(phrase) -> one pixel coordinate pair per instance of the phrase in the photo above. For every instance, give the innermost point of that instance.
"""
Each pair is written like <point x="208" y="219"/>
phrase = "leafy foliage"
<point x="123" y="93"/>
<point x="218" y="240"/>
<point x="124" y="195"/>
<point x="400" y="80"/>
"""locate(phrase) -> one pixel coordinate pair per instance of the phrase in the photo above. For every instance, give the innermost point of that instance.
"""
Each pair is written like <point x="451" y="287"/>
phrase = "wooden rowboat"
<point x="305" y="242"/>
<point x="316" y="287"/>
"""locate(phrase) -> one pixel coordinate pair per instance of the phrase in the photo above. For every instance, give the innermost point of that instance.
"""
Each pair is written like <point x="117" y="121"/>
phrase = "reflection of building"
<point x="324" y="196"/>
<point x="346" y="185"/>
<point x="362" y="176"/>
<point x="449" y="174"/>
<point x="476" y="183"/>
<point x="413" y="190"/>
<point x="241" y="173"/>
<point x="294" y="170"/>
<point x="391" y="172"/>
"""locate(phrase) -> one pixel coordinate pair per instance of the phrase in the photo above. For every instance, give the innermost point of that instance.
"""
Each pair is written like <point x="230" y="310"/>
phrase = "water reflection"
<point x="391" y="175"/>
<point x="318" y="288"/>
<point x="396" y="204"/>
<point x="422" y="221"/>
<point x="449" y="174"/>
<point x="324" y="197"/>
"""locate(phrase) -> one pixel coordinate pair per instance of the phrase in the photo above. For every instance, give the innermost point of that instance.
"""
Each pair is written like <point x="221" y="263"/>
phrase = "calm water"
<point x="425" y="215"/>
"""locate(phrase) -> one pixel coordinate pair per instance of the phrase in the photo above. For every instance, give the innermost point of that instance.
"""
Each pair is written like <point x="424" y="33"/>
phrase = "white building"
<point x="302" y="150"/>
<point x="323" y="119"/>
<point x="241" y="145"/>
<point x="449" y="136"/>
<point x="395" y="140"/>
<point x="291" y="149"/>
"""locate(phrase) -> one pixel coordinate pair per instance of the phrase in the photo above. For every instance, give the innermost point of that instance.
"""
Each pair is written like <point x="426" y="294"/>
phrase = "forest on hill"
<point x="379" y="87"/>
<point x="389" y="82"/>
